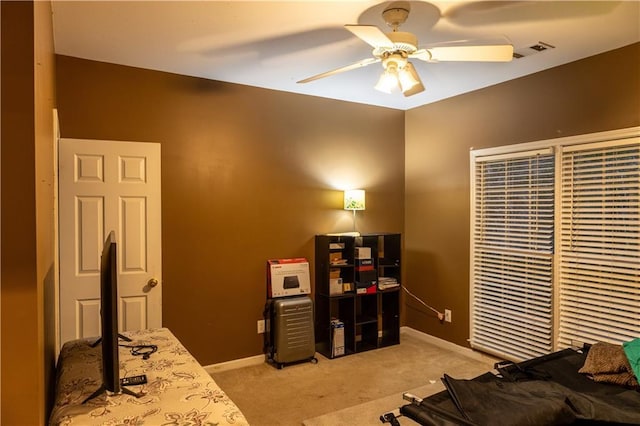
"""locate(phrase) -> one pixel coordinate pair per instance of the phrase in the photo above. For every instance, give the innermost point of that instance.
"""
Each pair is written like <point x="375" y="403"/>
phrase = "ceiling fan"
<point x="394" y="50"/>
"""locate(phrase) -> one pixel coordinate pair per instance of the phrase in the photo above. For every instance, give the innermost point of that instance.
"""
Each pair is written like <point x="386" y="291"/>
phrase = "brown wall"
<point x="247" y="175"/>
<point x="27" y="210"/>
<point x="591" y="95"/>
<point x="45" y="190"/>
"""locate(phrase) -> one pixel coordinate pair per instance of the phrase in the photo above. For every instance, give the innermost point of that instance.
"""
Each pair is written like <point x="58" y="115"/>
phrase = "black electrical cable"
<point x="144" y="351"/>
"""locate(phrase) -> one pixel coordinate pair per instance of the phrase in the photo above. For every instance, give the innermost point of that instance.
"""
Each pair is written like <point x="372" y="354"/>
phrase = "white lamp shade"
<point x="354" y="199"/>
<point x="406" y="79"/>
<point x="387" y="82"/>
<point x="416" y="84"/>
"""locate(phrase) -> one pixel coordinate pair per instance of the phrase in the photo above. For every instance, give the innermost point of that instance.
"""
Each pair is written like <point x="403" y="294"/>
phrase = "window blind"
<point x="512" y="254"/>
<point x="599" y="252"/>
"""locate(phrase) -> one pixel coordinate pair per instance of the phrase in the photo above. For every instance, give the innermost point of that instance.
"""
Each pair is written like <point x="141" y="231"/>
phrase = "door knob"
<point x="152" y="282"/>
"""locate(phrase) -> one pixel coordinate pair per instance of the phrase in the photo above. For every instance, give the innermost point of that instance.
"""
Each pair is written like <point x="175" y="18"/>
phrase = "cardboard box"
<point x="335" y="258"/>
<point x="363" y="252"/>
<point x="334" y="273"/>
<point x="335" y="286"/>
<point x="288" y="277"/>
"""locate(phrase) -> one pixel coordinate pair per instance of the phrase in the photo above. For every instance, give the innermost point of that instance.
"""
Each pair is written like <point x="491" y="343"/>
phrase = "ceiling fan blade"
<point x="422" y="54"/>
<point x="489" y="53"/>
<point x="371" y="35"/>
<point x="359" y="64"/>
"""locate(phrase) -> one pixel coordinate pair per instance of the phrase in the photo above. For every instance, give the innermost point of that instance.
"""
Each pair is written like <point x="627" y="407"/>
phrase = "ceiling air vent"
<point x="530" y="50"/>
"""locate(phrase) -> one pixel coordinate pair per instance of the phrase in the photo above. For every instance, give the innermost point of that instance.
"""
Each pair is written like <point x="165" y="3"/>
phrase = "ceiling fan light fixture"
<point x="407" y="79"/>
<point x="418" y="86"/>
<point x="388" y="80"/>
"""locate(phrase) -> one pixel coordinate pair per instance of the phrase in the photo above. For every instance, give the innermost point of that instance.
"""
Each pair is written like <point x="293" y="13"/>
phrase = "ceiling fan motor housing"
<point x="394" y="61"/>
<point x="402" y="42"/>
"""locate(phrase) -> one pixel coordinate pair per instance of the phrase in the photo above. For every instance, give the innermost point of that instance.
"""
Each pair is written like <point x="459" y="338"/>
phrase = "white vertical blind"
<point x="600" y="243"/>
<point x="512" y="254"/>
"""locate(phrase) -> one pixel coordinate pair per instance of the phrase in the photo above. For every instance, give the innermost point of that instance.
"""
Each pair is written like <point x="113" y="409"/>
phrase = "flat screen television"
<point x="109" y="320"/>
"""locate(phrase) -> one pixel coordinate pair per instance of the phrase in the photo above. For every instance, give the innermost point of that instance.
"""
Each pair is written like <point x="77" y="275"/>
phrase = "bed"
<point x="547" y="390"/>
<point x="178" y="390"/>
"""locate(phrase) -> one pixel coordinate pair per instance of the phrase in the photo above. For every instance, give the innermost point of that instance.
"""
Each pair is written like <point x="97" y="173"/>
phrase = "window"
<point x="512" y="254"/>
<point x="555" y="247"/>
<point x="600" y="243"/>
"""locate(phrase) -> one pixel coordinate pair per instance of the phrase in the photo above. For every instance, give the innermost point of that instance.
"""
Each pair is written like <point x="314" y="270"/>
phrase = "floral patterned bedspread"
<point x="178" y="390"/>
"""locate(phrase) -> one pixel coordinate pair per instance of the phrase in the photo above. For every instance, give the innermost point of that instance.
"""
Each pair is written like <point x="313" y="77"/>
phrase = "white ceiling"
<point x="274" y="44"/>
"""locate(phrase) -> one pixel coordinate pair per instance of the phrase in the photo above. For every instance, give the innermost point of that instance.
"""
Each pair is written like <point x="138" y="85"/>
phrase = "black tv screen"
<point x="109" y="314"/>
<point x="109" y="318"/>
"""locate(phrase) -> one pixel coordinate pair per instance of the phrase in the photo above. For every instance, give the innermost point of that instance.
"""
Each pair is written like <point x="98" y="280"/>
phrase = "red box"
<point x="364" y="265"/>
<point x="372" y="289"/>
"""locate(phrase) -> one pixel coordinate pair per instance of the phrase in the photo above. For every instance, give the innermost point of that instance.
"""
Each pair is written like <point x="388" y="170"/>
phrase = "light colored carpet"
<point x="368" y="414"/>
<point x="351" y="390"/>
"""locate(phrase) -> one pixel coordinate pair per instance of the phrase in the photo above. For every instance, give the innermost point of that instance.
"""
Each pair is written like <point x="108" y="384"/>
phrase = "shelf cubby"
<point x="371" y="319"/>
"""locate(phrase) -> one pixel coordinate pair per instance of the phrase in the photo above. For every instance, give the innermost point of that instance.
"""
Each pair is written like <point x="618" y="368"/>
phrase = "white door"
<point x="105" y="186"/>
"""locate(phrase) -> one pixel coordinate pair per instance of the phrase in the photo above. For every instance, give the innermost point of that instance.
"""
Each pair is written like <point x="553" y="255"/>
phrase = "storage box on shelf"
<point x="368" y="307"/>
